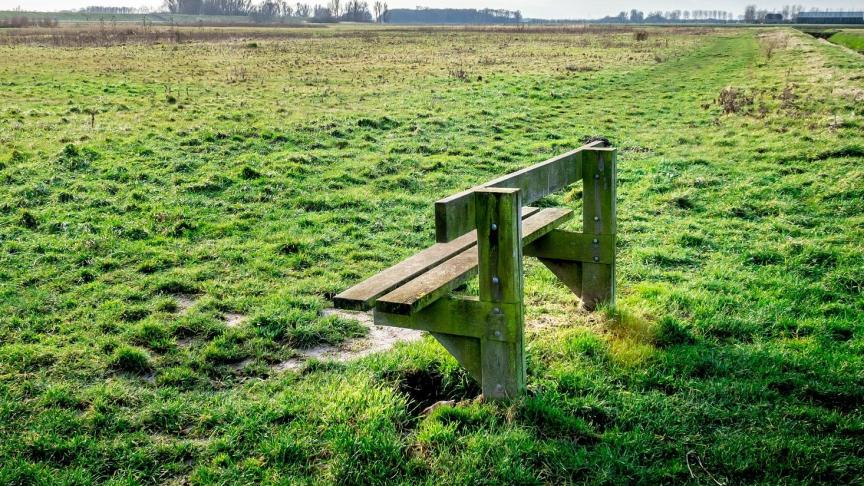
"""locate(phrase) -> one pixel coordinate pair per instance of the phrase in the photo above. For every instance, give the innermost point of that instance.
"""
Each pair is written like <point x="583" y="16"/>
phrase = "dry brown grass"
<point x="102" y="35"/>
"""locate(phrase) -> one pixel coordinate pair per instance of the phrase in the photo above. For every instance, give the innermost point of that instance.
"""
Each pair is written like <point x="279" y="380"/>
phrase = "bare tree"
<point x="378" y="9"/>
<point x="750" y="14"/>
<point x="335" y="7"/>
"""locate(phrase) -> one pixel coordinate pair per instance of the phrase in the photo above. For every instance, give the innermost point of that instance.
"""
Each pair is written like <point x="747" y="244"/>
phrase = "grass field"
<point x="853" y="39"/>
<point x="174" y="217"/>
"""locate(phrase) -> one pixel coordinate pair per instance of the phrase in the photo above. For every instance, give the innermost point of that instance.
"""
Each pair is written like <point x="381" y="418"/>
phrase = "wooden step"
<point x="439" y="280"/>
<point x="362" y="296"/>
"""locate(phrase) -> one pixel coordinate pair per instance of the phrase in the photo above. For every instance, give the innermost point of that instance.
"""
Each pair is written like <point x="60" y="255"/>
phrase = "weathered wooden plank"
<point x="454" y="215"/>
<point x="362" y="296"/>
<point x="499" y="248"/>
<point x="431" y="285"/>
<point x="598" y="219"/>
<point x="598" y="191"/>
<point x="457" y="316"/>
<point x="574" y="247"/>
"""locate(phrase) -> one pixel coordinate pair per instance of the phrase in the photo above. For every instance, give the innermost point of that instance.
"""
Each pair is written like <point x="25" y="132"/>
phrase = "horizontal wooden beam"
<point x="573" y="247"/>
<point x="454" y="215"/>
<point x="362" y="296"/>
<point x="456" y="316"/>
<point x="438" y="281"/>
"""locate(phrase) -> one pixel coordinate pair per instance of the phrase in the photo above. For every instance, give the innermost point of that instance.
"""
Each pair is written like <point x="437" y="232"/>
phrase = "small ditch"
<point x="426" y="387"/>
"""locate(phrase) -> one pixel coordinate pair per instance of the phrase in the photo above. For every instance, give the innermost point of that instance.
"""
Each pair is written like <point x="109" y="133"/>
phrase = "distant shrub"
<point x="20" y="21"/>
<point x="460" y="74"/>
<point x="130" y="360"/>
<point x="640" y="35"/>
<point x="734" y="100"/>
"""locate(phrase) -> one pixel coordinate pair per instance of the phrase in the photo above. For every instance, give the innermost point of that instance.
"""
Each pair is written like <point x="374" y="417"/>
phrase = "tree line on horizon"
<point x="752" y="14"/>
<point x="336" y="10"/>
<point x="360" y="11"/>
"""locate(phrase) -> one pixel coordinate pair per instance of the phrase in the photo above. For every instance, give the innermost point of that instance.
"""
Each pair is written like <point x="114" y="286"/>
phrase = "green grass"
<point x="852" y="39"/>
<point x="220" y="178"/>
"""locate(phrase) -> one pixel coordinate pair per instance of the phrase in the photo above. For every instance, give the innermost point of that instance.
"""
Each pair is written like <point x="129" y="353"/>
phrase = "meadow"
<point x="853" y="39"/>
<point x="175" y="217"/>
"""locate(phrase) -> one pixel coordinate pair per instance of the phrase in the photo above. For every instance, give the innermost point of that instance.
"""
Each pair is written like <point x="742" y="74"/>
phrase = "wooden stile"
<point x="486" y="333"/>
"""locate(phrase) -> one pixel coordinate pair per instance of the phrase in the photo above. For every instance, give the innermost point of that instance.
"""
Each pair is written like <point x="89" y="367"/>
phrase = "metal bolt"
<point x="596" y="218"/>
<point x="596" y="259"/>
<point x="496" y="310"/>
<point x="495" y="280"/>
<point x="499" y="388"/>
<point x="596" y="176"/>
<point x="595" y="241"/>
<point x="494" y="227"/>
<point x="498" y="334"/>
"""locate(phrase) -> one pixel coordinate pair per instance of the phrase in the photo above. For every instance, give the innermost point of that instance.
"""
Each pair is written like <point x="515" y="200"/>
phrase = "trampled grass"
<point x="152" y="190"/>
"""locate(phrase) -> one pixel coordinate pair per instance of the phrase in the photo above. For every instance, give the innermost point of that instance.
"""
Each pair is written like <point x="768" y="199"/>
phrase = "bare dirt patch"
<point x="233" y="319"/>
<point x="379" y="339"/>
<point x="185" y="301"/>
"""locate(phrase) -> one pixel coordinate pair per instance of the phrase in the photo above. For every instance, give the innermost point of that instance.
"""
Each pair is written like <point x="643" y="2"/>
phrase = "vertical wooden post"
<point x="499" y="244"/>
<point x="598" y="218"/>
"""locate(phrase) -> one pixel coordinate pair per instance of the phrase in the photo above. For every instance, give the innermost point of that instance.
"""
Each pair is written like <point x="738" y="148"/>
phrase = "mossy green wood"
<point x="585" y="261"/>
<point x="458" y="316"/>
<point x="363" y="295"/>
<point x="499" y="243"/>
<point x="599" y="219"/>
<point x="575" y="247"/>
<point x="455" y="215"/>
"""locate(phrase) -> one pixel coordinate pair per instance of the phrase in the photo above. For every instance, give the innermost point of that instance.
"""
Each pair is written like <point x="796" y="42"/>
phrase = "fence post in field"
<point x="598" y="224"/>
<point x="499" y="241"/>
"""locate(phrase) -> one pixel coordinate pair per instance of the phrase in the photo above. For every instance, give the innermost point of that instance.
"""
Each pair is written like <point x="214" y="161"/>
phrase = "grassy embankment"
<point x="260" y="180"/>
<point x="853" y="39"/>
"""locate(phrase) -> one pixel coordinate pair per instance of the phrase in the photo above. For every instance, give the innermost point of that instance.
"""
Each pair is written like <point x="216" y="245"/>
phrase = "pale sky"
<point x="529" y="8"/>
